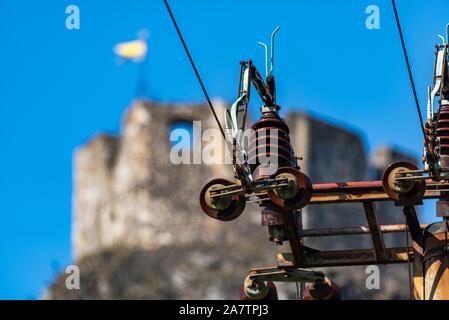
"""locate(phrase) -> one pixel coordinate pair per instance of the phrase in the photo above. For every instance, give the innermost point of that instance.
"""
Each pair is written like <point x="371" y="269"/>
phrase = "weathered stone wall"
<point x="130" y="201"/>
<point x="128" y="192"/>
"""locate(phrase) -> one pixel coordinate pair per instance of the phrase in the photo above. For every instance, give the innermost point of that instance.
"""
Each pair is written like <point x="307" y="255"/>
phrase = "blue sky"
<point x="59" y="87"/>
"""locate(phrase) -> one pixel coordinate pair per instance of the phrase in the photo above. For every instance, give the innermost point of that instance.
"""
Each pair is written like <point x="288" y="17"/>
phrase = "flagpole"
<point x="142" y="78"/>
<point x="137" y="52"/>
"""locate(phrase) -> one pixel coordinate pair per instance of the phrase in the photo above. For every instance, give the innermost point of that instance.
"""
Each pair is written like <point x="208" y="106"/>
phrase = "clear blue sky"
<point x="59" y="87"/>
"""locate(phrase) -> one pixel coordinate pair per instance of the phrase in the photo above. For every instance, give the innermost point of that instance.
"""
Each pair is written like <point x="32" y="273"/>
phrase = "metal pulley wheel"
<point x="223" y="208"/>
<point x="405" y="192"/>
<point x="298" y="192"/>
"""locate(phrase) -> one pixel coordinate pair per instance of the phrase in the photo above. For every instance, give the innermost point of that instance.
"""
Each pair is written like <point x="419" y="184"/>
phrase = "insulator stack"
<point x="442" y="133"/>
<point x="270" y="141"/>
<point x="324" y="290"/>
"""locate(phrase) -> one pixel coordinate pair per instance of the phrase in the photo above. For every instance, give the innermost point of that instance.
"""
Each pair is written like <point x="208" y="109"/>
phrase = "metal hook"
<point x="269" y="70"/>
<point x="272" y="48"/>
<point x="266" y="57"/>
<point x="447" y="33"/>
<point x="442" y="39"/>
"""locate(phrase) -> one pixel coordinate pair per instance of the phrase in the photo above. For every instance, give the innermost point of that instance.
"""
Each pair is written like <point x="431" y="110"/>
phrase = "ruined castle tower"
<point x="138" y="231"/>
<point x="128" y="192"/>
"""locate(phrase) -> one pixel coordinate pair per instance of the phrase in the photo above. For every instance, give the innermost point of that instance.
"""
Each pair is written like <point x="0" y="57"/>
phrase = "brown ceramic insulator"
<point x="270" y="141"/>
<point x="272" y="293"/>
<point x="442" y="132"/>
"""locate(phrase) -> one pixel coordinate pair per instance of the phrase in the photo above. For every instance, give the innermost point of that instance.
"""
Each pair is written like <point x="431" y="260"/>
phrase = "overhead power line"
<point x="194" y="68"/>
<point x="418" y="109"/>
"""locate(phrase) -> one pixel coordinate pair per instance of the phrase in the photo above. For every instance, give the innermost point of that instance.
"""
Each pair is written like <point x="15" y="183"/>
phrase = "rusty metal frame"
<point x="376" y="233"/>
<point x="366" y="193"/>
<point x="341" y="258"/>
<point x="358" y="230"/>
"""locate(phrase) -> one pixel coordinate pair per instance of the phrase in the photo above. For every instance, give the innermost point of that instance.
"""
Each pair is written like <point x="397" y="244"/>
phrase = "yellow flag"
<point x="134" y="50"/>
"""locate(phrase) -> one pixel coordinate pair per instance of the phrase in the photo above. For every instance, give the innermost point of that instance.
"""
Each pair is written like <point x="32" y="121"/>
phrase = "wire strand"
<point x="418" y="109"/>
<point x="194" y="68"/>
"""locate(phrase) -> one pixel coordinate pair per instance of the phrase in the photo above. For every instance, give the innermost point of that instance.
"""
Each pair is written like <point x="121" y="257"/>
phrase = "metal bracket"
<point x="286" y="275"/>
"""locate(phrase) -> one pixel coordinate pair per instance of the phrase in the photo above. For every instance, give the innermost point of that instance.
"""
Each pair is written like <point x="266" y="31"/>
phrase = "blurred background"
<point x="58" y="87"/>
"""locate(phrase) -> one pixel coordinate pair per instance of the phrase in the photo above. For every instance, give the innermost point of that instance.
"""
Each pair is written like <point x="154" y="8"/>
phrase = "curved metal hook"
<point x="442" y="39"/>
<point x="143" y="34"/>
<point x="272" y="47"/>
<point x="266" y="57"/>
<point x="447" y="33"/>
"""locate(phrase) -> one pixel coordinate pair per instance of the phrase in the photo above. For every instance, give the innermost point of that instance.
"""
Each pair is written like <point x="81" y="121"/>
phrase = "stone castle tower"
<point x="136" y="213"/>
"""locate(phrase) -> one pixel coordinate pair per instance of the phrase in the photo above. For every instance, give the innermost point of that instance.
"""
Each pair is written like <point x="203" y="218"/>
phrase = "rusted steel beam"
<point x="376" y="234"/>
<point x="363" y="191"/>
<point x="358" y="230"/>
<point x="291" y="228"/>
<point x="344" y="258"/>
<point x="347" y="192"/>
<point x="345" y="186"/>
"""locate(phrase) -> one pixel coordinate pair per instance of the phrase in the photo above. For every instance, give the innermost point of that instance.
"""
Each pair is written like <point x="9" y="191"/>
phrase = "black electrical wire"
<point x="194" y="67"/>
<point x="418" y="109"/>
<point x="410" y="281"/>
